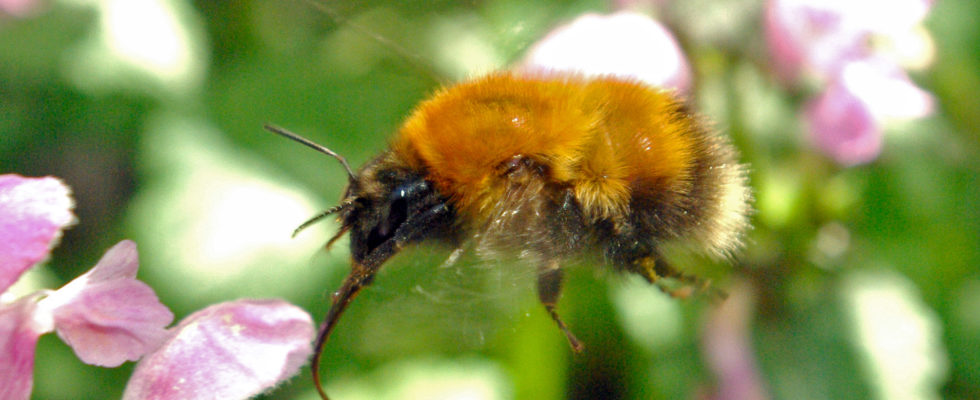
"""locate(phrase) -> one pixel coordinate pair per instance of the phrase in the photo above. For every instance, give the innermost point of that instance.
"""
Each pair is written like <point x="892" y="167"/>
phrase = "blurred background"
<point x="859" y="280"/>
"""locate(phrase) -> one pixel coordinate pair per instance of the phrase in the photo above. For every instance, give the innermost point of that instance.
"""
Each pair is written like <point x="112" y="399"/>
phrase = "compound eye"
<point x="389" y="223"/>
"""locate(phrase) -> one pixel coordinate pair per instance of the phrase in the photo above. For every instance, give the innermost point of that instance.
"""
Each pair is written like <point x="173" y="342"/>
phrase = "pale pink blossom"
<point x="623" y="44"/>
<point x="886" y="90"/>
<point x="846" y="120"/>
<point x="811" y="38"/>
<point x="863" y="87"/>
<point x="819" y="37"/>
<point x="728" y="348"/>
<point x="18" y="338"/>
<point x="841" y="126"/>
<point x="33" y="212"/>
<point x="20" y="8"/>
<point x="106" y="315"/>
<point x="231" y="350"/>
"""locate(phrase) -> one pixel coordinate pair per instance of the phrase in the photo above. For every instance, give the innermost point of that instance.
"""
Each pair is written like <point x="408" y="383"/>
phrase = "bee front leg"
<point x="550" y="277"/>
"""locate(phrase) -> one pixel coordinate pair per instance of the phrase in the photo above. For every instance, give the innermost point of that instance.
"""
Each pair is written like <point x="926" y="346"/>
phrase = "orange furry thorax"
<point x="604" y="138"/>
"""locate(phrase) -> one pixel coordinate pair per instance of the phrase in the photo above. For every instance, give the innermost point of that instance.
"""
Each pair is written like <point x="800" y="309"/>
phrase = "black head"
<point x="389" y="202"/>
<point x="384" y="201"/>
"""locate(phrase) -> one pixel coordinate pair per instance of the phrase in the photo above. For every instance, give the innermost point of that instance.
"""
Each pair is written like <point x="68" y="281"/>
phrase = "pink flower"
<point x="106" y="315"/>
<point x="811" y="37"/>
<point x="728" y="348"/>
<point x="864" y="85"/>
<point x="623" y="44"/>
<point x="18" y="337"/>
<point x="230" y="350"/>
<point x="842" y="126"/>
<point x="33" y="212"/>
<point x="886" y="90"/>
<point x="20" y="8"/>
<point x="819" y="37"/>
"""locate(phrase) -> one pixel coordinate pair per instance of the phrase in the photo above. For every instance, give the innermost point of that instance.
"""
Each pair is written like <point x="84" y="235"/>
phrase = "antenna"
<point x="309" y="143"/>
<point x="324" y="214"/>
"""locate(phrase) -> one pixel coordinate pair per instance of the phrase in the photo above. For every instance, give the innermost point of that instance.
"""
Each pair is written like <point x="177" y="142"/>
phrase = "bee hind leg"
<point x="655" y="269"/>
<point x="550" y="278"/>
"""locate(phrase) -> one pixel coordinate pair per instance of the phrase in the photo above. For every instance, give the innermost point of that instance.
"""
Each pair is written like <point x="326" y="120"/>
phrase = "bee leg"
<point x="550" y="279"/>
<point x="654" y="269"/>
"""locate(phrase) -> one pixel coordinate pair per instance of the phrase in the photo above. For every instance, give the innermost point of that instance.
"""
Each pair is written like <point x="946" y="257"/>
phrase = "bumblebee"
<point x="549" y="168"/>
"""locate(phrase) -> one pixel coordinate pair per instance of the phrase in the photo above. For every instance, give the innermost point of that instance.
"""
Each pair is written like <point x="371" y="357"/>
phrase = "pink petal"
<point x="624" y="44"/>
<point x="886" y="90"/>
<point x="842" y="126"/>
<point x="231" y="350"/>
<point x="33" y="212"/>
<point x="119" y="262"/>
<point x="812" y="36"/>
<point x="728" y="348"/>
<point x="901" y="15"/>
<point x="20" y="8"/>
<point x="18" y="338"/>
<point x="820" y="36"/>
<point x="785" y="48"/>
<point x="106" y="315"/>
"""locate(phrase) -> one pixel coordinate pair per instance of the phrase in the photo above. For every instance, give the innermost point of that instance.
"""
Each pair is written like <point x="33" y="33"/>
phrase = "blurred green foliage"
<point x="161" y="140"/>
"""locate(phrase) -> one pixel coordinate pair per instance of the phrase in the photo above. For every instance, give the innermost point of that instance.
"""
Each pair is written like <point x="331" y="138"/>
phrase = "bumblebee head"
<point x="385" y="206"/>
<point x="386" y="202"/>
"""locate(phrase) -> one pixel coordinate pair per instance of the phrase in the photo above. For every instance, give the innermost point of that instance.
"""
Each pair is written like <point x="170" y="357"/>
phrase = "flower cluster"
<point x="856" y="54"/>
<point x="230" y="350"/>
